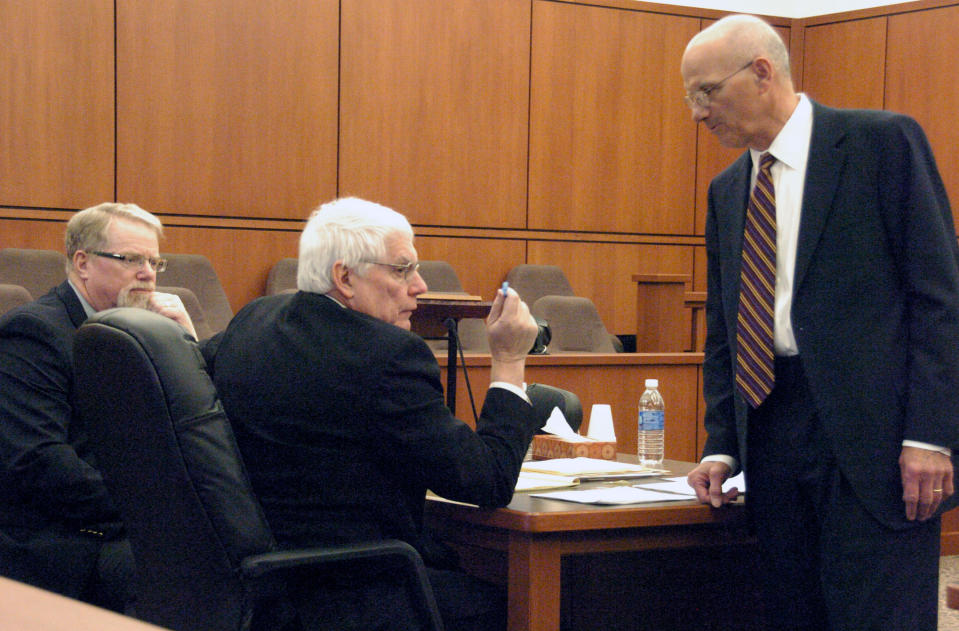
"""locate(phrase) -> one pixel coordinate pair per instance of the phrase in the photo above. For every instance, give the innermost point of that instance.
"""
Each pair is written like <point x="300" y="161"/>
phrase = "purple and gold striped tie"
<point x="754" y="328"/>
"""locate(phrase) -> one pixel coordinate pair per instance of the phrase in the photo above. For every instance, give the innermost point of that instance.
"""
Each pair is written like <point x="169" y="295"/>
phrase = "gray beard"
<point x="128" y="298"/>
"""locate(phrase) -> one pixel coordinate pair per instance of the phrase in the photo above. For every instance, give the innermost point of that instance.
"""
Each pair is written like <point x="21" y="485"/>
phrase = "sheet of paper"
<point x="532" y="481"/>
<point x="579" y="467"/>
<point x="679" y="485"/>
<point x="672" y="485"/>
<point x="613" y="495"/>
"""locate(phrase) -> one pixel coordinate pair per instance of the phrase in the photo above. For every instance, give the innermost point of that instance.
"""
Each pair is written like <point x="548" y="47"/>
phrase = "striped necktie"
<point x="754" y="329"/>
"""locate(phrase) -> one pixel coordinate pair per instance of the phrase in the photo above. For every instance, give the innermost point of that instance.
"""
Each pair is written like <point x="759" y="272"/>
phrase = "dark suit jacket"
<point x="875" y="306"/>
<point x="54" y="509"/>
<point x="341" y="420"/>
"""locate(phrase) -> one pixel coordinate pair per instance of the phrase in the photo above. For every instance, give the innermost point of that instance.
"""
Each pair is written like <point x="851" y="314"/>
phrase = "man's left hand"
<point x="926" y="481"/>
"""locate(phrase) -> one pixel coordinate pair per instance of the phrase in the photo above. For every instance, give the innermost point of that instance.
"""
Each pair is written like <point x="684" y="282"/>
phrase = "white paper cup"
<point x="601" y="423"/>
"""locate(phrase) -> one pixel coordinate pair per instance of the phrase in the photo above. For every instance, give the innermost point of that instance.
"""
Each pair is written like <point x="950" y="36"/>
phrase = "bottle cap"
<point x="652" y="383"/>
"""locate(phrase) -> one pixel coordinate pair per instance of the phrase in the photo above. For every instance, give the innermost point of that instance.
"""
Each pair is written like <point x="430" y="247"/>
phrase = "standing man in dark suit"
<point x="339" y="414"/>
<point x="58" y="528"/>
<point x="845" y="429"/>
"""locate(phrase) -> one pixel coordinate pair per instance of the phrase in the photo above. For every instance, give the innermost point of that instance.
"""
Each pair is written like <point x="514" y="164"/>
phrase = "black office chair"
<point x="206" y="559"/>
<point x="544" y="398"/>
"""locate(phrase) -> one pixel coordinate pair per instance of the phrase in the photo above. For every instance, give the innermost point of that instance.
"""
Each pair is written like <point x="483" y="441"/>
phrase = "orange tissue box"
<point x="547" y="446"/>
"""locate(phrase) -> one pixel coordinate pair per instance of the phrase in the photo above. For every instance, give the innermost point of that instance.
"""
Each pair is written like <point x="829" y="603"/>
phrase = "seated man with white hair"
<point x="339" y="414"/>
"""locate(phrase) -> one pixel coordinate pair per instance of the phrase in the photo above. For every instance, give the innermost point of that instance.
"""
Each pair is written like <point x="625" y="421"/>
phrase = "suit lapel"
<point x="74" y="307"/>
<point x="823" y="173"/>
<point x="734" y="198"/>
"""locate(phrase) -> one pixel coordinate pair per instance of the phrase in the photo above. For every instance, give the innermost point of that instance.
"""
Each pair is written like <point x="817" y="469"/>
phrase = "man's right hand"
<point x="171" y="306"/>
<point x="707" y="480"/>
<point x="511" y="331"/>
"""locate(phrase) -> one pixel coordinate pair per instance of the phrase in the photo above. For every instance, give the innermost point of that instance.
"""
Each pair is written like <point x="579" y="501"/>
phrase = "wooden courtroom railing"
<point x="612" y="378"/>
<point x="660" y="323"/>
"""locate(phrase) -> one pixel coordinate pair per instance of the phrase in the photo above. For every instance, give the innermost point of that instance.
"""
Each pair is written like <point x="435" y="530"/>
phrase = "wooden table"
<point x="27" y="608"/>
<point x="526" y="541"/>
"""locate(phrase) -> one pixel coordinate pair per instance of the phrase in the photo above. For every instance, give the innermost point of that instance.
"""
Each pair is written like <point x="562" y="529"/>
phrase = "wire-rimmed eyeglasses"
<point x="703" y="96"/>
<point x="134" y="261"/>
<point x="402" y="270"/>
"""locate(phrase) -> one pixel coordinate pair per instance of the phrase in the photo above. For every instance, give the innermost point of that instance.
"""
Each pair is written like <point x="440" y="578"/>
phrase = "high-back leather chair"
<point x="205" y="557"/>
<point x="574" y="323"/>
<point x="13" y="296"/>
<point x="440" y="276"/>
<point x="196" y="273"/>
<point x="37" y="271"/>
<point x="192" y="305"/>
<point x="533" y="282"/>
<point x="282" y="277"/>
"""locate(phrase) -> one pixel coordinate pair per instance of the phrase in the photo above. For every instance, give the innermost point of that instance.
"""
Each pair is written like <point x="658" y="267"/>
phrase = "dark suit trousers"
<point x="829" y="565"/>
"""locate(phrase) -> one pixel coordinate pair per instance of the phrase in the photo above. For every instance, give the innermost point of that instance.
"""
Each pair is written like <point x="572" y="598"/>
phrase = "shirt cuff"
<point x="915" y="443"/>
<point x="520" y="392"/>
<point x="729" y="461"/>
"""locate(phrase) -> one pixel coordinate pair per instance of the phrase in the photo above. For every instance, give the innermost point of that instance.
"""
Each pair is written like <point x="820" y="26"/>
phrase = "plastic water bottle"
<point x="650" y="430"/>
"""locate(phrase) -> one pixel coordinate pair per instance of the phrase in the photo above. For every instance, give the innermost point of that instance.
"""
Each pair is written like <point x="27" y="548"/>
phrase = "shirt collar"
<point x="87" y="308"/>
<point x="335" y="300"/>
<point x="791" y="145"/>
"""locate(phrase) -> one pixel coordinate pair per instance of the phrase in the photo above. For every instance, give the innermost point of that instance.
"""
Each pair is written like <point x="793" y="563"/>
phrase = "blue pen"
<point x="505" y="287"/>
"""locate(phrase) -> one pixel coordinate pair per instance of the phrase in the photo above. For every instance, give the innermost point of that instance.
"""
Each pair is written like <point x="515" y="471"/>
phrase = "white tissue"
<point x="557" y="425"/>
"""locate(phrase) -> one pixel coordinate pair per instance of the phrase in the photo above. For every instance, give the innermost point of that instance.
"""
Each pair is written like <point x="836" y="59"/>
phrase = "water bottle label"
<point x="651" y="420"/>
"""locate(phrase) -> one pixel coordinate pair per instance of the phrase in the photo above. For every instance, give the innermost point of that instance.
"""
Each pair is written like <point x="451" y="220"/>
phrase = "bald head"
<point x="746" y="37"/>
<point x="737" y="80"/>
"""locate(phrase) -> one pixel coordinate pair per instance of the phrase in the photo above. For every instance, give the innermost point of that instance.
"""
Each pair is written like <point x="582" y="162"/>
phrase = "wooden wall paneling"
<point x="434" y="108"/>
<point x="949" y="543"/>
<point x="698" y="317"/>
<point x="712" y="157"/>
<point x="836" y="52"/>
<point x="242" y="258"/>
<point x="56" y="103"/>
<point x="37" y="234"/>
<point x="699" y="268"/>
<point x="603" y="273"/>
<point x="227" y="107"/>
<point x="611" y="148"/>
<point x="480" y="264"/>
<point x="921" y="60"/>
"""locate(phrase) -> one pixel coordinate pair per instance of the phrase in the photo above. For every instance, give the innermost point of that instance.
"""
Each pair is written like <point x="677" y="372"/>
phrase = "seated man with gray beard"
<point x="58" y="528"/>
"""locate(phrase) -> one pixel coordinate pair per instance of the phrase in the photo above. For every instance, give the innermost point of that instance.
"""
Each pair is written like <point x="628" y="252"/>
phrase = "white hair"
<point x="349" y="229"/>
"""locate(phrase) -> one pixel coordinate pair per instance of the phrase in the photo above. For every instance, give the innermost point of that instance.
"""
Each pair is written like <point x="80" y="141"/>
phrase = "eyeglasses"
<point x="402" y="271"/>
<point x="135" y="261"/>
<point x="703" y="96"/>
